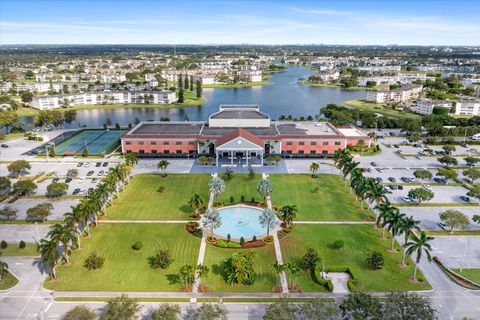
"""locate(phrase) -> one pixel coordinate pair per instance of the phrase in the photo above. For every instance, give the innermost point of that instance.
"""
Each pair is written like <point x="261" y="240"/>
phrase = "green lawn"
<point x="141" y="201"/>
<point x="8" y="282"/>
<point x="14" y="250"/>
<point x="471" y="274"/>
<point x="265" y="275"/>
<point x="124" y="268"/>
<point x="359" y="240"/>
<point x="378" y="108"/>
<point x="238" y="186"/>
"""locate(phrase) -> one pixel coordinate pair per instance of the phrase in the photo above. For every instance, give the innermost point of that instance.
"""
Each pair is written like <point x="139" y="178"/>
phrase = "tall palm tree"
<point x="385" y="209"/>
<point x="349" y="167"/>
<point x="341" y="157"/>
<point x="49" y="255"/>
<point x="279" y="268"/>
<point x="373" y="136"/>
<point x="361" y="187"/>
<point x="63" y="233"/>
<point x="407" y="227"/>
<point x="104" y="191"/>
<point x="288" y="213"/>
<point x="196" y="202"/>
<point x="314" y="168"/>
<point x="162" y="165"/>
<point x="393" y="223"/>
<point x="419" y="245"/>
<point x="377" y="194"/>
<point x="75" y="219"/>
<point x="216" y="186"/>
<point x="267" y="220"/>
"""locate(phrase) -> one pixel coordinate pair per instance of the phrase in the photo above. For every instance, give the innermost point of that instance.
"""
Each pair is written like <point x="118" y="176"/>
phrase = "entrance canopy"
<point x="239" y="140"/>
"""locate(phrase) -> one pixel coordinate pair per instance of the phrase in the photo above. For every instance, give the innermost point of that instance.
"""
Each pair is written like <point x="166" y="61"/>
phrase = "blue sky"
<point x="418" y="22"/>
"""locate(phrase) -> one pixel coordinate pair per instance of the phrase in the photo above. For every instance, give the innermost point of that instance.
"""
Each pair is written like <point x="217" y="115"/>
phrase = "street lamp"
<point x="463" y="257"/>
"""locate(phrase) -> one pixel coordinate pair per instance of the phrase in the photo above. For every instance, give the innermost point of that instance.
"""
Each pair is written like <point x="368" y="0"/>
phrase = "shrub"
<point x="254" y="244"/>
<point x="94" y="261"/>
<point x="268" y="239"/>
<point x="229" y="237"/>
<point x="253" y="199"/>
<point x="232" y="199"/>
<point x="254" y="238"/>
<point x="192" y="226"/>
<point x="242" y="198"/>
<point x="227" y="244"/>
<point x="3" y="244"/>
<point x="329" y="285"/>
<point x="137" y="246"/>
<point x="338" y="244"/>
<point x="242" y="241"/>
<point x="316" y="190"/>
<point x="161" y="259"/>
<point x="22" y="244"/>
<point x="375" y="260"/>
<point x="161" y="189"/>
<point x="198" y="233"/>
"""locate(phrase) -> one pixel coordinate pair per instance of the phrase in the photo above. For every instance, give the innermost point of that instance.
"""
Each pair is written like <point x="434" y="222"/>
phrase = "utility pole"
<point x="463" y="257"/>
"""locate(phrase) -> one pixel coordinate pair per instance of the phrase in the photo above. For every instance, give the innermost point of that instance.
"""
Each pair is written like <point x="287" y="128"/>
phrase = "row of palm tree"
<point x="386" y="215"/>
<point x="62" y="237"/>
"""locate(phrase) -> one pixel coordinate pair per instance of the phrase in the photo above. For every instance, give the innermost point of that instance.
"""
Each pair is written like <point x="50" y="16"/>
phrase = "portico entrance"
<point x="239" y="148"/>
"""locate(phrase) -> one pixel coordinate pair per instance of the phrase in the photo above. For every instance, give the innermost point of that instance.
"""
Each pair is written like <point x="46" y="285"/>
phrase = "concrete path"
<point x="144" y="221"/>
<point x="339" y="281"/>
<point x="333" y="222"/>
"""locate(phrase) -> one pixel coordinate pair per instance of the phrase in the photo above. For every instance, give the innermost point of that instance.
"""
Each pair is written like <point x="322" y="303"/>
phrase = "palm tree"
<point x="361" y="186"/>
<point x="130" y="158"/>
<point x="419" y="245"/>
<point x="201" y="271"/>
<point x="393" y="223"/>
<point x="264" y="188"/>
<point x="279" y="268"/>
<point x="267" y="220"/>
<point x="216" y="186"/>
<point x="49" y="255"/>
<point x="3" y="270"/>
<point x="347" y="168"/>
<point x="288" y="213"/>
<point x="373" y="136"/>
<point x="162" y="165"/>
<point x="407" y="227"/>
<point x="294" y="269"/>
<point x="340" y="157"/>
<point x="212" y="220"/>
<point x="75" y="219"/>
<point x="377" y="194"/>
<point x="104" y="191"/>
<point x="314" y="168"/>
<point x="63" y="233"/>
<point x="196" y="202"/>
<point x="386" y="209"/>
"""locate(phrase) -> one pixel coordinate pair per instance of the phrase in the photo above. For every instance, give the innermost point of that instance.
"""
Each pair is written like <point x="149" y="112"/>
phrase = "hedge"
<point x="227" y="244"/>
<point x="352" y="282"/>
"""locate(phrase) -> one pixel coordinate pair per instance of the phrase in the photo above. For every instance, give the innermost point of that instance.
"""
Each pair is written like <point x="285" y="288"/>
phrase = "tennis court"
<point x="96" y="141"/>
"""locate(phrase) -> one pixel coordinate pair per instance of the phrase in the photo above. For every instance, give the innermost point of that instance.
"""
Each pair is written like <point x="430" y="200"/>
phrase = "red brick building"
<point x="241" y="133"/>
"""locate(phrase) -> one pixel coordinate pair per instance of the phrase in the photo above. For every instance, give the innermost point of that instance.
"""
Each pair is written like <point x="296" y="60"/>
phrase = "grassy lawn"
<point x="238" y="186"/>
<point x="14" y="250"/>
<point x="8" y="282"/>
<point x="265" y="275"/>
<point x="359" y="240"/>
<point x="125" y="269"/>
<point x="323" y="205"/>
<point x="471" y="274"/>
<point x="378" y="108"/>
<point x="141" y="201"/>
<point x="12" y="136"/>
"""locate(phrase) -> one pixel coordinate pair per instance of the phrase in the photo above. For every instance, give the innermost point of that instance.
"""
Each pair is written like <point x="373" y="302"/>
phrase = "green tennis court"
<point x="96" y="141"/>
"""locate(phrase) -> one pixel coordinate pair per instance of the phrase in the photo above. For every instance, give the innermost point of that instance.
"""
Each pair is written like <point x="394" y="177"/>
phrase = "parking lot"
<point x="60" y="207"/>
<point x="442" y="194"/>
<point x="451" y="249"/>
<point x="429" y="216"/>
<point x="27" y="232"/>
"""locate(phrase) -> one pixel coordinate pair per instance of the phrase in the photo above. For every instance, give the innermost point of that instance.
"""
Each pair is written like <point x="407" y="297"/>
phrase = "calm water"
<point x="286" y="96"/>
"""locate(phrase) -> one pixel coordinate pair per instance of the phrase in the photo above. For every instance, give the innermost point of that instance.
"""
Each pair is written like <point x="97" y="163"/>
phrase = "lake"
<point x="285" y="96"/>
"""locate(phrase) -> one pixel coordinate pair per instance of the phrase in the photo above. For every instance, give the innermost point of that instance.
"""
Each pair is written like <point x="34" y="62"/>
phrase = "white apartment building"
<point x="425" y="106"/>
<point x="404" y="93"/>
<point x="204" y="79"/>
<point x="467" y="107"/>
<point x="470" y="81"/>
<point x="105" y="97"/>
<point x="113" y="78"/>
<point x="379" y="80"/>
<point x="250" y="75"/>
<point x="328" y="76"/>
<point x="380" y="68"/>
<point x="150" y="77"/>
<point x="31" y="86"/>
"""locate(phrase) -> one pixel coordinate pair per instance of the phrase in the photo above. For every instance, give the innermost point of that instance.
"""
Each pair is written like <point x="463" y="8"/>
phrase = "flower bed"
<point x="268" y="239"/>
<point x="254" y="244"/>
<point x="227" y="244"/>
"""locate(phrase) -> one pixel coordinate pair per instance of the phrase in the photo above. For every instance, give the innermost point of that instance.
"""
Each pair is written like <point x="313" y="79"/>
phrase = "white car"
<point x="81" y="180"/>
<point x="82" y="192"/>
<point x="427" y="187"/>
<point x="87" y="164"/>
<point x="406" y="199"/>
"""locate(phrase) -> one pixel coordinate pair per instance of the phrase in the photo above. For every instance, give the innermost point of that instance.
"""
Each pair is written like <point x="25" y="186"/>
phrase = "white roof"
<point x="351" y="132"/>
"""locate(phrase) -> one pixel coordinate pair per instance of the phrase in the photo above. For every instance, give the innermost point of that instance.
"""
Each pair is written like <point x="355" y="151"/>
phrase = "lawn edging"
<point x="455" y="277"/>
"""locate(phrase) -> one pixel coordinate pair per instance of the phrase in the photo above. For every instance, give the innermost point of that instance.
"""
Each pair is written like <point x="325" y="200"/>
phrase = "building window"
<point x="337" y="143"/>
<point x="154" y="151"/>
<point x="166" y="143"/>
<point x="324" y="152"/>
<point x="191" y="143"/>
<point x="301" y="143"/>
<point x="289" y="151"/>
<point x="179" y="151"/>
<point x="141" y="151"/>
<point x="127" y="143"/>
<point x="325" y="143"/>
<point x="313" y="152"/>
<point x="140" y="143"/>
<point x="153" y="143"/>
<point x="289" y="143"/>
<point x="191" y="151"/>
<point x="313" y="143"/>
<point x="178" y="143"/>
<point x="301" y="152"/>
<point x="166" y="151"/>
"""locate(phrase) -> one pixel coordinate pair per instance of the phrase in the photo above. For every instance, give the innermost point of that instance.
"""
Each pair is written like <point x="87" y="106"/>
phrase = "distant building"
<point x="467" y="107"/>
<point x="328" y="76"/>
<point x="425" y="106"/>
<point x="250" y="75"/>
<point x="204" y="79"/>
<point x="404" y="93"/>
<point x="105" y="97"/>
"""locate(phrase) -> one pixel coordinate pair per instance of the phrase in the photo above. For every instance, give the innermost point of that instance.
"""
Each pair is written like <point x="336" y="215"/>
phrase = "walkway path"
<point x="144" y="221"/>
<point x="333" y="222"/>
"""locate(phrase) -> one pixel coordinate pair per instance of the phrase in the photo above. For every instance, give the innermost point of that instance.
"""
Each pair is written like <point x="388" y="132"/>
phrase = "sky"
<point x="378" y="22"/>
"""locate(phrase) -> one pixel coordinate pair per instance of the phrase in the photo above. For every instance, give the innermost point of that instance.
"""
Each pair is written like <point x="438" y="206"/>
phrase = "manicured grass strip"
<point x="141" y="200"/>
<point x="455" y="232"/>
<point x="9" y="281"/>
<point x="359" y="241"/>
<point x="215" y="300"/>
<point x="263" y="264"/>
<point x="428" y="204"/>
<point x="105" y="299"/>
<point x="257" y="300"/>
<point x="126" y="269"/>
<point x="25" y="222"/>
<point x="13" y="249"/>
<point x="472" y="274"/>
<point x="380" y="109"/>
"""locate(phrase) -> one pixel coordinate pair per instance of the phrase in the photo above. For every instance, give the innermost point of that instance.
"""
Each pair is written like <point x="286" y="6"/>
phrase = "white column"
<point x="261" y="158"/>
<point x="216" y="158"/>
<point x="247" y="158"/>
<point x="231" y="159"/>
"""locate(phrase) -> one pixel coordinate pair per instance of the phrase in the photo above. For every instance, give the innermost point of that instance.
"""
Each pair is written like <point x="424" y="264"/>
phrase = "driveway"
<point x="13" y="233"/>
<point x="451" y="249"/>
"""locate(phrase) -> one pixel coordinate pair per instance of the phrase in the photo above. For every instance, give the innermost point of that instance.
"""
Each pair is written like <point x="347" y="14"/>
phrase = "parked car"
<point x="392" y="179"/>
<point x="55" y="179"/>
<point x="379" y="179"/>
<point x="393" y="187"/>
<point x="81" y="180"/>
<point x="369" y="169"/>
<point x="465" y="198"/>
<point x="406" y="199"/>
<point x="427" y="187"/>
<point x="98" y="164"/>
<point x="105" y="164"/>
<point x="76" y="191"/>
<point x="374" y="164"/>
<point x="417" y="157"/>
<point x="79" y="164"/>
<point x="82" y="192"/>
<point x="4" y="145"/>
<point x="443" y="225"/>
<point x="408" y="179"/>
<point x="396" y="146"/>
<point x="90" y="173"/>
<point x="464" y="145"/>
<point x="378" y="169"/>
<point x="101" y="172"/>
<point x="94" y="180"/>
<point x="440" y="180"/>
<point x="87" y="164"/>
<point x="400" y="187"/>
<point x="68" y="180"/>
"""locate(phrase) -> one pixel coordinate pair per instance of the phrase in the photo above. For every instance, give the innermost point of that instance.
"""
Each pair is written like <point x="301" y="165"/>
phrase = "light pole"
<point x="463" y="257"/>
<point x="46" y="151"/>
<point x="38" y="235"/>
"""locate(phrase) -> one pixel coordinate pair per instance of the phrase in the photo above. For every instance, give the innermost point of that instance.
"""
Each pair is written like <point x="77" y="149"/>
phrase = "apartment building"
<point x="425" y="106"/>
<point x="402" y="94"/>
<point x="105" y="97"/>
<point x="467" y="107"/>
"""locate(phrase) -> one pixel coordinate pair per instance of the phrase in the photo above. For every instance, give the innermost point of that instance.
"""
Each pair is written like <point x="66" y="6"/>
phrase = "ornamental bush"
<point x="94" y="261"/>
<point x="375" y="260"/>
<point x="137" y="246"/>
<point x="3" y="244"/>
<point x="22" y="244"/>
<point x="338" y="244"/>
<point x="161" y="259"/>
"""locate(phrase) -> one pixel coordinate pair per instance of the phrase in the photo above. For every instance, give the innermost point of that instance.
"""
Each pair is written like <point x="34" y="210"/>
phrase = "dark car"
<point x="392" y="179"/>
<point x="464" y="145"/>
<point x="90" y="173"/>
<point x="465" y="198"/>
<point x="379" y="179"/>
<point x="68" y="180"/>
<point x="400" y="187"/>
<point x="440" y="180"/>
<point x="4" y="145"/>
<point x="374" y="164"/>
<point x="98" y="164"/>
<point x="393" y="187"/>
<point x="80" y="164"/>
<point x="76" y="191"/>
<point x="105" y="164"/>
<point x="396" y="146"/>
<point x="55" y="179"/>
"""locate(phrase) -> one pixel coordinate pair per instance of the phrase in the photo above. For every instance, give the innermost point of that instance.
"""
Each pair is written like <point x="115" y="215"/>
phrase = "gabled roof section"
<point x="240" y="133"/>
